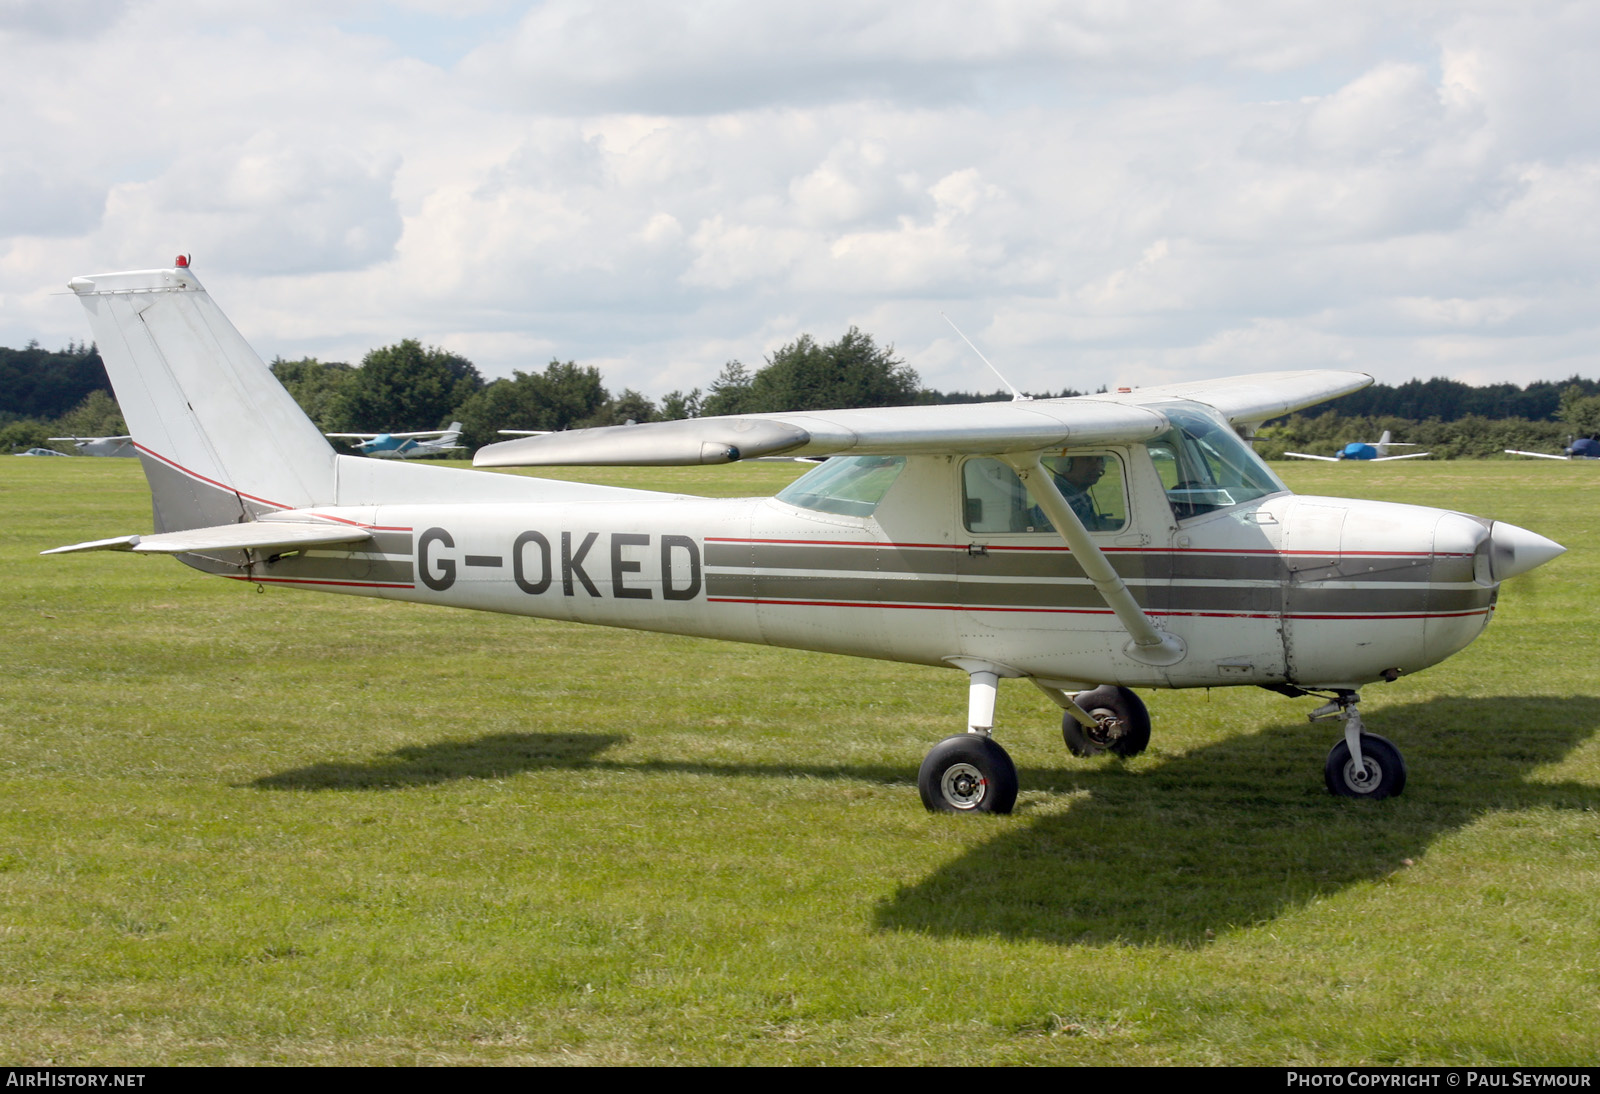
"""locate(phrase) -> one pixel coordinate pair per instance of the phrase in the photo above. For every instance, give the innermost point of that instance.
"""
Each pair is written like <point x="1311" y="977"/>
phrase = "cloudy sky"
<point x="1097" y="192"/>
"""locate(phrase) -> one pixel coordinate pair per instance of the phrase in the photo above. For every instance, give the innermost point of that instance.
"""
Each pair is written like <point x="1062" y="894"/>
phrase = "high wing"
<point x="1309" y="456"/>
<point x="1407" y="456"/>
<point x="254" y="535"/>
<point x="1539" y="455"/>
<point x="1252" y="399"/>
<point x="975" y="428"/>
<point x="122" y="438"/>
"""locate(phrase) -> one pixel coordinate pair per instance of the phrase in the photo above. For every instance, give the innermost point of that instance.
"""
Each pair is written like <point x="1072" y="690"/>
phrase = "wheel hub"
<point x="1107" y="727"/>
<point x="963" y="786"/>
<point x="1364" y="776"/>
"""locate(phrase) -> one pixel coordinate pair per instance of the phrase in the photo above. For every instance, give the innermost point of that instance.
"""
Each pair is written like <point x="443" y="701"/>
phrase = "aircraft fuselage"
<point x="1287" y="589"/>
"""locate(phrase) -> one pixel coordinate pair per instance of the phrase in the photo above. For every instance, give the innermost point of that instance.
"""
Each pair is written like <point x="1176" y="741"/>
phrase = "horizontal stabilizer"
<point x="261" y="535"/>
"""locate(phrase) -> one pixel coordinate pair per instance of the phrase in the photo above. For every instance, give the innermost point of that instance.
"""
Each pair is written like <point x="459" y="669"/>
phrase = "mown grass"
<point x="284" y="828"/>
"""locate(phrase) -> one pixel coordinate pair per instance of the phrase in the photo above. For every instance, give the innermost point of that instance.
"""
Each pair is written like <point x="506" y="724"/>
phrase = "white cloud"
<point x="1091" y="190"/>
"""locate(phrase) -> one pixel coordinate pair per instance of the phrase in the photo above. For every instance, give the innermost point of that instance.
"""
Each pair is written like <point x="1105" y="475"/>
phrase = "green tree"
<point x="676" y="405"/>
<point x="630" y="406"/>
<point x="44" y="384"/>
<point x="852" y="372"/>
<point x="26" y="433"/>
<point x="97" y="416"/>
<point x="1580" y="412"/>
<point x="407" y="387"/>
<point x="572" y="396"/>
<point x="730" y="391"/>
<point x="563" y="396"/>
<point x="319" y="387"/>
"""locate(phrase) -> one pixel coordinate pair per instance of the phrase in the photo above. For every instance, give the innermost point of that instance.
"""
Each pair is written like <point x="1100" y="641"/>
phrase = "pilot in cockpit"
<point x="1075" y="476"/>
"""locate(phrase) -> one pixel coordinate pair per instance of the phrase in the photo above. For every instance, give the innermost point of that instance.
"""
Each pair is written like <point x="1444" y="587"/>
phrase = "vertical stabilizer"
<point x="220" y="438"/>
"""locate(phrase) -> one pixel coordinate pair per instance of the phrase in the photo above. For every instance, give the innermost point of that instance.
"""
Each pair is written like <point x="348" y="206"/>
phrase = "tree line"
<point x="412" y="387"/>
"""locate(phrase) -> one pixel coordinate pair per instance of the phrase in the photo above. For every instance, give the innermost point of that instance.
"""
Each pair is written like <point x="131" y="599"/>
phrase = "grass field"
<point x="246" y="828"/>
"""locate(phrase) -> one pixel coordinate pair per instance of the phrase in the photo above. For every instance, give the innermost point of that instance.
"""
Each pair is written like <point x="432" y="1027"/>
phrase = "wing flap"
<point x="255" y="535"/>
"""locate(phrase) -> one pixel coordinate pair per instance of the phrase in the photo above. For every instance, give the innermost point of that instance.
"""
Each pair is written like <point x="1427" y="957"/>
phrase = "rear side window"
<point x="994" y="500"/>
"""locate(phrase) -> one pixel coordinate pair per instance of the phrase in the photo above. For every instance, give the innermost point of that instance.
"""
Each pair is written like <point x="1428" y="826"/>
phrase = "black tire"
<point x="1385" y="770"/>
<point x="968" y="773"/>
<point x="1130" y="723"/>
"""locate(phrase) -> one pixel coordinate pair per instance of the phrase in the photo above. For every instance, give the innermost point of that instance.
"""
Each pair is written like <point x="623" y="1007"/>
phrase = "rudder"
<point x="220" y="438"/>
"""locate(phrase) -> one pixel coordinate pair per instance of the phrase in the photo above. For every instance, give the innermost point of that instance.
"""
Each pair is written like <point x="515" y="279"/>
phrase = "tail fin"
<point x="220" y="439"/>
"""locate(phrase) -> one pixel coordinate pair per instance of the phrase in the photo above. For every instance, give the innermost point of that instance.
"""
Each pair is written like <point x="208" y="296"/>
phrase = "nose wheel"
<point x="1381" y="773"/>
<point x="1363" y="765"/>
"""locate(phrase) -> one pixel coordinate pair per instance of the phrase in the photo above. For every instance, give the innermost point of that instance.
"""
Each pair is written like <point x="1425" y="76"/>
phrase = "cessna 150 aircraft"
<point x="404" y="446"/>
<point x="1089" y="545"/>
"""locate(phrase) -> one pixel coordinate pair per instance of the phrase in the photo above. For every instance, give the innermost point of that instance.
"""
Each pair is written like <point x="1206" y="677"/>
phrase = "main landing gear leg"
<point x="1363" y="765"/>
<point x="970" y="772"/>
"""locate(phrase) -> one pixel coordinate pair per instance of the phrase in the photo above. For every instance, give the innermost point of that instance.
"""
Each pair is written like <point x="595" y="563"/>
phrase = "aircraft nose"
<point x="1514" y="550"/>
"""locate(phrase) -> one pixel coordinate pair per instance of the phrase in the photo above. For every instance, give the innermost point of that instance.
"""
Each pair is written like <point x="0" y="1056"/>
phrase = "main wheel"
<point x="1124" y="723"/>
<point x="1382" y="773"/>
<point x="968" y="773"/>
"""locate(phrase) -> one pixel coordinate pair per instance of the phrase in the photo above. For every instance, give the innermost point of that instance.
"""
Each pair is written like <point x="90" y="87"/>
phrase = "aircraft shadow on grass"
<point x="1212" y="840"/>
<point x="495" y="756"/>
<point x="1217" y="839"/>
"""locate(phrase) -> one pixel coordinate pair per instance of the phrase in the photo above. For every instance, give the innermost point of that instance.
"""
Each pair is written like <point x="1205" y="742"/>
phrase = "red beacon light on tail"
<point x="182" y="262"/>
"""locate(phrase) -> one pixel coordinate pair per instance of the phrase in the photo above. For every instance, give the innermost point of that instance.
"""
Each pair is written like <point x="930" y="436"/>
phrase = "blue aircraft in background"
<point x="1376" y="451"/>
<point x="404" y="446"/>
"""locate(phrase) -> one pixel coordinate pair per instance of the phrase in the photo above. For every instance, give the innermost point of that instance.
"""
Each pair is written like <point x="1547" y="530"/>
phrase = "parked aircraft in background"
<point x="1584" y="448"/>
<point x="39" y="452"/>
<point x="1088" y="545"/>
<point x="101" y="446"/>
<point x="404" y="446"/>
<point x="1376" y="451"/>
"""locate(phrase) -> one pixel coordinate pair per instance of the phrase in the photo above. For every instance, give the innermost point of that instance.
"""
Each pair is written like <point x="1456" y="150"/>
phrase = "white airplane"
<point x="404" y="446"/>
<point x="1584" y="448"/>
<point x="1374" y="451"/>
<point x="101" y="446"/>
<point x="1088" y="545"/>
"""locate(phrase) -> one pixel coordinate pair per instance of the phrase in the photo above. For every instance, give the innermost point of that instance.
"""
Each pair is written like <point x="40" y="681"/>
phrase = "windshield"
<point x="849" y="485"/>
<point x="1204" y="465"/>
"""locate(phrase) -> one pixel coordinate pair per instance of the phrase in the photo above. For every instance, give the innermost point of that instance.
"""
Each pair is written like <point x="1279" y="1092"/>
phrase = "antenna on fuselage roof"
<point x="1016" y="396"/>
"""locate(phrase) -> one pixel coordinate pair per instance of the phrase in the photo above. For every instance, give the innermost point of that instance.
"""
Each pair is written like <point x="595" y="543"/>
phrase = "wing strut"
<point x="1151" y="645"/>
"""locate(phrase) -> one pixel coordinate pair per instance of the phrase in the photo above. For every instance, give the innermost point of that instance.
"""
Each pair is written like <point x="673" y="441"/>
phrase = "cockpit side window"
<point x="994" y="499"/>
<point x="1204" y="465"/>
<point x="851" y="486"/>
